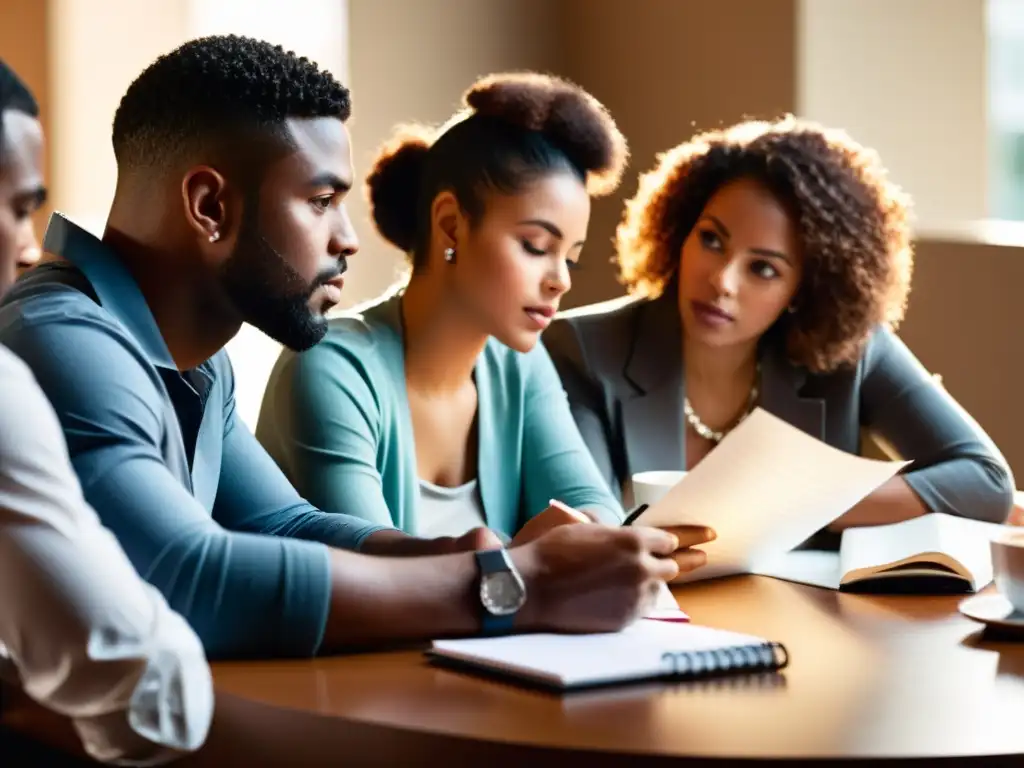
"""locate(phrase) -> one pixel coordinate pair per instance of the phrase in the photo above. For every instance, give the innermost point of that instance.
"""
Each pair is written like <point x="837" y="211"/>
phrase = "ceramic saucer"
<point x="993" y="611"/>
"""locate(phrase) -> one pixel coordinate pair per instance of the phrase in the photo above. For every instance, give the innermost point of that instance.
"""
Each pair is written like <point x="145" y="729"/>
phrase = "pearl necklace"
<point x="707" y="432"/>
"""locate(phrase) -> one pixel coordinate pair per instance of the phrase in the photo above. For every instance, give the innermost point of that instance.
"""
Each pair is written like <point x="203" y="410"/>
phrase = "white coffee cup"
<point x="1008" y="567"/>
<point x="649" y="487"/>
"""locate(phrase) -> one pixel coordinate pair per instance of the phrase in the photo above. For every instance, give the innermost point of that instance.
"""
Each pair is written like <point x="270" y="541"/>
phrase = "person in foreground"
<point x="434" y="409"/>
<point x="229" y="208"/>
<point x="770" y="263"/>
<point x="88" y="638"/>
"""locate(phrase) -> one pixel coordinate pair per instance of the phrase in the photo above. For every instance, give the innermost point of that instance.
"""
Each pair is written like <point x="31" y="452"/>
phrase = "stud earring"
<point x="791" y="309"/>
<point x="214" y="236"/>
<point x="449" y="255"/>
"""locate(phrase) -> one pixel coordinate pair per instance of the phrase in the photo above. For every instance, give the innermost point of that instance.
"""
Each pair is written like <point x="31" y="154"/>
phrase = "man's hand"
<point x="597" y="578"/>
<point x="1016" y="515"/>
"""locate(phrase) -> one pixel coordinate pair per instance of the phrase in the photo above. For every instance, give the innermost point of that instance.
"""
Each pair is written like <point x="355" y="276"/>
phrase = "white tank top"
<point x="448" y="511"/>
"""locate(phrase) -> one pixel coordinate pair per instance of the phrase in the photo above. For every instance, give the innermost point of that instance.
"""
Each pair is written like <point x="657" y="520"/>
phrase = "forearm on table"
<point x="377" y="599"/>
<point x="892" y="502"/>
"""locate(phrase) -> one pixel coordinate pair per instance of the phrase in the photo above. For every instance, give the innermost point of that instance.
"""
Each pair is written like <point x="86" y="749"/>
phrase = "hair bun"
<point x="567" y="115"/>
<point x="393" y="184"/>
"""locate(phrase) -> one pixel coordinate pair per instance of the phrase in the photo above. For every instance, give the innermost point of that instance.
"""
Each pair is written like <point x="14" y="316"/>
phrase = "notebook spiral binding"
<point x="764" y="657"/>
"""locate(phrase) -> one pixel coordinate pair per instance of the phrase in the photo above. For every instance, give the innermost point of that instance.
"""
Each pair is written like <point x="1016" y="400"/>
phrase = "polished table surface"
<point x="870" y="677"/>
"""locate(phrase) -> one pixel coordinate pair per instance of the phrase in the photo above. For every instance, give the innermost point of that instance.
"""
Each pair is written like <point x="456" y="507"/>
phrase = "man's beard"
<point x="269" y="294"/>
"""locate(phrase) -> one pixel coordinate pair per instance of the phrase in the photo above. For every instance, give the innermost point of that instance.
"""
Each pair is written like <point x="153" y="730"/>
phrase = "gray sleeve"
<point x="956" y="468"/>
<point x="586" y="397"/>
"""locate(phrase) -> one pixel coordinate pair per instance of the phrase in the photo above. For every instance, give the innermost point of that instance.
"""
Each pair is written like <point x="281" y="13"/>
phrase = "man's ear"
<point x="210" y="211"/>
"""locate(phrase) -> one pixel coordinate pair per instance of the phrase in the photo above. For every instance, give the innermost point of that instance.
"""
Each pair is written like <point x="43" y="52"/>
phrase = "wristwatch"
<point x="502" y="590"/>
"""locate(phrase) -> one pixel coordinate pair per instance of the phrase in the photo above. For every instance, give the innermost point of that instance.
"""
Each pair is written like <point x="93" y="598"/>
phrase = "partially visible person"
<point x="234" y="161"/>
<point x="22" y="188"/>
<point x="434" y="409"/>
<point x="88" y="638"/>
<point x="769" y="264"/>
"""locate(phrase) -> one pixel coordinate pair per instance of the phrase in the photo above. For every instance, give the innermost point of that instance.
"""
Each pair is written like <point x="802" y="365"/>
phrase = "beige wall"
<point x="97" y="47"/>
<point x="906" y="77"/>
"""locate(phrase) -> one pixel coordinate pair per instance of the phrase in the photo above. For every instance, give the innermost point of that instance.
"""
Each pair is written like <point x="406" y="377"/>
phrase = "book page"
<point x="964" y="541"/>
<point x="765" y="488"/>
<point x="803" y="566"/>
<point x="637" y="652"/>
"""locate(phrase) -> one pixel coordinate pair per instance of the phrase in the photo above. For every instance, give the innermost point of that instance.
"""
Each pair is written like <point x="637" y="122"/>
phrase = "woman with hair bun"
<point x="435" y="409"/>
<point x="769" y="264"/>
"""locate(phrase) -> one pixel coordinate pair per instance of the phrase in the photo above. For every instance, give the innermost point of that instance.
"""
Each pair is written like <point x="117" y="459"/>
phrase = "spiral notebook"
<point x="644" y="650"/>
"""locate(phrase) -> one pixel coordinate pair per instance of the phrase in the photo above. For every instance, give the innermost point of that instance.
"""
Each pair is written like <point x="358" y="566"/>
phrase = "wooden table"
<point x="879" y="680"/>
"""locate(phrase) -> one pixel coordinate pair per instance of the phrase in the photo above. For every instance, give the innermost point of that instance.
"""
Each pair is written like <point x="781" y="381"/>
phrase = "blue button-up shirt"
<point x="203" y="513"/>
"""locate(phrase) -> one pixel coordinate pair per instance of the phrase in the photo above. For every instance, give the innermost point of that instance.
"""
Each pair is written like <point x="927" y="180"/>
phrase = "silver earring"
<point x="214" y="236"/>
<point x="449" y="255"/>
<point x="791" y="309"/>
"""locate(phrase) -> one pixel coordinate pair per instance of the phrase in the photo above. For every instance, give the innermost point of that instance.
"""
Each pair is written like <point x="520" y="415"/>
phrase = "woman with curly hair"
<point x="769" y="264"/>
<point x="434" y="409"/>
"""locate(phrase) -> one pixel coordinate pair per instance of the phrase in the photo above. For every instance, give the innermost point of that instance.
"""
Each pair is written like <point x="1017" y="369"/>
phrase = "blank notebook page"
<point x="573" y="660"/>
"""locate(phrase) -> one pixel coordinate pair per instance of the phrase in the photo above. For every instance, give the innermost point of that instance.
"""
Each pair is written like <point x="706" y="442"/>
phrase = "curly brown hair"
<point x="853" y="226"/>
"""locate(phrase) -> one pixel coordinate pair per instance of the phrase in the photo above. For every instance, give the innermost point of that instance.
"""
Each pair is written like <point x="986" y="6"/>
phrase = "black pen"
<point x="631" y="518"/>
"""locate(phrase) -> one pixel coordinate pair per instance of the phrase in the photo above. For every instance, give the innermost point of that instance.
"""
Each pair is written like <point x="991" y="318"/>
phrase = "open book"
<point x="642" y="651"/>
<point x="935" y="552"/>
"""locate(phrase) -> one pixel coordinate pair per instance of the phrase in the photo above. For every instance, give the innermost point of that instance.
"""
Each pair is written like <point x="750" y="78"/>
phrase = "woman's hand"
<point x="555" y="515"/>
<point x="686" y="556"/>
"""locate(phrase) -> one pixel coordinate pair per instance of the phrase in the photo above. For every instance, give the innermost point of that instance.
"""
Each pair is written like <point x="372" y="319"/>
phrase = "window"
<point x="1006" y="108"/>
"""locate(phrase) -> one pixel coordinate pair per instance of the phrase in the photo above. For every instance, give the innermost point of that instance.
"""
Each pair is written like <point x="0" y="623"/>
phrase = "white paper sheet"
<point x="765" y="488"/>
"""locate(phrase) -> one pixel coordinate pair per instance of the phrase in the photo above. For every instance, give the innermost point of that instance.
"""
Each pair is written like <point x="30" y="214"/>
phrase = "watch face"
<point x="502" y="593"/>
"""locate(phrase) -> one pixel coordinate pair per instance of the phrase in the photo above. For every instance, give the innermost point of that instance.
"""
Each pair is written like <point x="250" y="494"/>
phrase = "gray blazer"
<point x="622" y="368"/>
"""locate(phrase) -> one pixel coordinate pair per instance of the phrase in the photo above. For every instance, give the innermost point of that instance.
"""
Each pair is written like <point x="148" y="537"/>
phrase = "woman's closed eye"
<point x="532" y="249"/>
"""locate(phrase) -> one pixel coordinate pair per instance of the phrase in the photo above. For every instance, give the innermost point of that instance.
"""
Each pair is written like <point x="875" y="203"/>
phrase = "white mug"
<point x="1008" y="567"/>
<point x="649" y="487"/>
